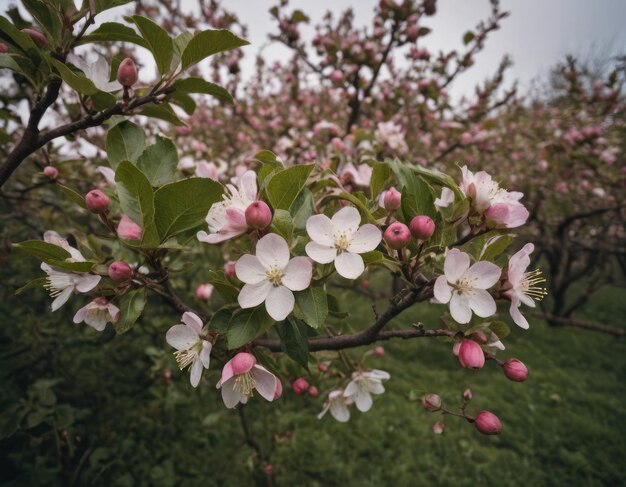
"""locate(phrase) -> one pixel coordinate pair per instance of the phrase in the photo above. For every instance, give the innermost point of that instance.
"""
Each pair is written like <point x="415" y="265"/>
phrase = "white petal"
<point x="205" y="353"/>
<point x="379" y="374"/>
<point x="98" y="321"/>
<point x="351" y="389"/>
<point x="279" y="303"/>
<point x="320" y="229"/>
<point x="265" y="382"/>
<point x="460" y="309"/>
<point x="442" y="291"/>
<point x="192" y="320"/>
<point x="298" y="274"/>
<point x="483" y="274"/>
<point x="339" y="411"/>
<point x="455" y="265"/>
<point x="517" y="316"/>
<point x="320" y="253"/>
<point x="365" y="239"/>
<point x="181" y="337"/>
<point x="247" y="184"/>
<point x="273" y="251"/>
<point x="363" y="401"/>
<point x="349" y="265"/>
<point x="230" y="395"/>
<point x="482" y="303"/>
<point x="61" y="299"/>
<point x="252" y="295"/>
<point x="196" y="373"/>
<point x="80" y="315"/>
<point x="346" y="220"/>
<point x="250" y="270"/>
<point x="87" y="282"/>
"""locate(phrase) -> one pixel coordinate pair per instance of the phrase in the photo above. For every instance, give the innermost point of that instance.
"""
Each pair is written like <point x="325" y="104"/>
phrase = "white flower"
<point x="338" y="404"/>
<point x="98" y="72"/>
<point x="108" y="173"/>
<point x="62" y="283"/>
<point x="271" y="277"/>
<point x="521" y="286"/>
<point x="97" y="314"/>
<point x="465" y="287"/>
<point x="363" y="385"/>
<point x="241" y="375"/>
<point x="360" y="176"/>
<point x="341" y="240"/>
<point x="446" y="198"/>
<point x="227" y="218"/>
<point x="391" y="134"/>
<point x="211" y="170"/>
<point x="192" y="349"/>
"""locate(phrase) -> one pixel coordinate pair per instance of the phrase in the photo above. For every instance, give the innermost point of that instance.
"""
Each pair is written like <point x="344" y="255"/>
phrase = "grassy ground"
<point x="113" y="421"/>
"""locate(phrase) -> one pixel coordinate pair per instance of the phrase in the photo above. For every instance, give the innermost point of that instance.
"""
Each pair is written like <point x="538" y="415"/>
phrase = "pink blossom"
<point x="127" y="228"/>
<point x="241" y="375"/>
<point x="97" y="314"/>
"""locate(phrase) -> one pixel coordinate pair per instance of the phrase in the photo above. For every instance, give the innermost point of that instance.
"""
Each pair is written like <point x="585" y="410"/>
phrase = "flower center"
<point x="245" y="384"/>
<point x="463" y="285"/>
<point x="341" y="241"/>
<point x="529" y="285"/>
<point x="275" y="276"/>
<point x="185" y="357"/>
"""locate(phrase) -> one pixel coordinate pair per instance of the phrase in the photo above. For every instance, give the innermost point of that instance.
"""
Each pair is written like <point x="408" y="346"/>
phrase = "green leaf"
<point x="131" y="306"/>
<point x="441" y="179"/>
<point x="114" y="32"/>
<point x="85" y="266"/>
<point x="137" y="200"/>
<point x="46" y="17"/>
<point x="314" y="305"/>
<point x="125" y="142"/>
<point x="184" y="101"/>
<point x="199" y="85"/>
<point x="183" y="205"/>
<point x="97" y="6"/>
<point x="73" y="195"/>
<point x="293" y="336"/>
<point x="40" y="281"/>
<point x="500" y="328"/>
<point x="220" y="319"/>
<point x="302" y="208"/>
<point x="207" y="43"/>
<point x="282" y="224"/>
<point x="44" y="251"/>
<point x="84" y="86"/>
<point x="284" y="186"/>
<point x="162" y="112"/>
<point x="158" y="161"/>
<point x="223" y="286"/>
<point x="380" y="175"/>
<point x="15" y="37"/>
<point x="180" y="43"/>
<point x="417" y="199"/>
<point x="159" y="42"/>
<point x="246" y="325"/>
<point x="468" y="37"/>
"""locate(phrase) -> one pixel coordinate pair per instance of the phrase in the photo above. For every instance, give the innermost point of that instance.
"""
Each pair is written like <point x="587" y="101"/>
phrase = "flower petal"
<point x="483" y="274"/>
<point x="247" y="185"/>
<point x="205" y="353"/>
<point x="80" y="315"/>
<point x="320" y="253"/>
<point x="230" y="395"/>
<point x="181" y="337"/>
<point x="61" y="299"/>
<point x="252" y="295"/>
<point x="517" y="315"/>
<point x="346" y="220"/>
<point x="265" y="382"/>
<point x="250" y="270"/>
<point x="460" y="309"/>
<point x="320" y="229"/>
<point x="482" y="303"/>
<point x="192" y="320"/>
<point x="339" y="411"/>
<point x="196" y="373"/>
<point x="279" y="303"/>
<point x="87" y="282"/>
<point x="365" y="239"/>
<point x="349" y="265"/>
<point x="442" y="291"/>
<point x="298" y="273"/>
<point x="455" y="265"/>
<point x="273" y="251"/>
<point x="363" y="401"/>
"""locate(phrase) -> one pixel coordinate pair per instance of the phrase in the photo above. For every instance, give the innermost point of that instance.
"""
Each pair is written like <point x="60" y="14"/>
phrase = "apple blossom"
<point x="515" y="370"/>
<point x="422" y="227"/>
<point x="97" y="71"/>
<point x="464" y="287"/>
<point x="488" y="423"/>
<point x="390" y="200"/>
<point x="3" y="48"/>
<point x="227" y="218"/>
<point x="392" y="135"/>
<point x="521" y="286"/>
<point x="337" y="403"/>
<point x="127" y="73"/>
<point x="126" y="228"/>
<point x="467" y="394"/>
<point x="363" y="385"/>
<point x="471" y="356"/>
<point x="438" y="427"/>
<point x="270" y="277"/>
<point x="192" y="349"/>
<point x="446" y="198"/>
<point x="97" y="201"/>
<point x="97" y="314"/>
<point x="341" y="240"/>
<point x="211" y="170"/>
<point x="397" y="235"/>
<point x="241" y="375"/>
<point x="360" y="176"/>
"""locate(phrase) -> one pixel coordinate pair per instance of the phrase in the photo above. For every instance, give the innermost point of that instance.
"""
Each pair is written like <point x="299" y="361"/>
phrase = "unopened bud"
<point x="51" y="172"/>
<point x="36" y="36"/>
<point x="127" y="72"/>
<point x="467" y="394"/>
<point x="279" y="389"/>
<point x="438" y="427"/>
<point x="258" y="215"/>
<point x="336" y="76"/>
<point x="120" y="271"/>
<point x="242" y="363"/>
<point x="391" y="199"/>
<point x="229" y="270"/>
<point x="515" y="370"/>
<point x="471" y="356"/>
<point x="97" y="201"/>
<point x="300" y="385"/>
<point x="432" y="402"/>
<point x="313" y="392"/>
<point x="488" y="423"/>
<point x="479" y="337"/>
<point x="422" y="227"/>
<point x="204" y="291"/>
<point x="378" y="351"/>
<point x="127" y="228"/>
<point x="397" y="235"/>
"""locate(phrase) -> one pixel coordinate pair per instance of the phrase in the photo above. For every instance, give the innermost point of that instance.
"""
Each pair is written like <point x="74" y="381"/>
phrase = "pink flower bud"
<point x="184" y="130"/>
<point x="479" y="337"/>
<point x="397" y="235"/>
<point x="471" y="356"/>
<point x="258" y="215"/>
<point x="127" y="228"/>
<point x="279" y="389"/>
<point x="242" y="363"/>
<point x="336" y="76"/>
<point x="515" y="370"/>
<point x="438" y="427"/>
<point x="391" y="200"/>
<point x="120" y="271"/>
<point x="204" y="291"/>
<point x="51" y="172"/>
<point x="36" y="36"/>
<point x="97" y="201"/>
<point x="378" y="351"/>
<point x="422" y="227"/>
<point x="300" y="385"/>
<point x="488" y="423"/>
<point x="467" y="394"/>
<point x="3" y="48"/>
<point x="432" y="402"/>
<point x="313" y="392"/>
<point x="322" y="366"/>
<point x="229" y="269"/>
<point x="127" y="72"/>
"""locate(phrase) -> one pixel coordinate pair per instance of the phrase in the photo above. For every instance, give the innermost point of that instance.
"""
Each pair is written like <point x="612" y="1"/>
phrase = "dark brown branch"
<point x="584" y="324"/>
